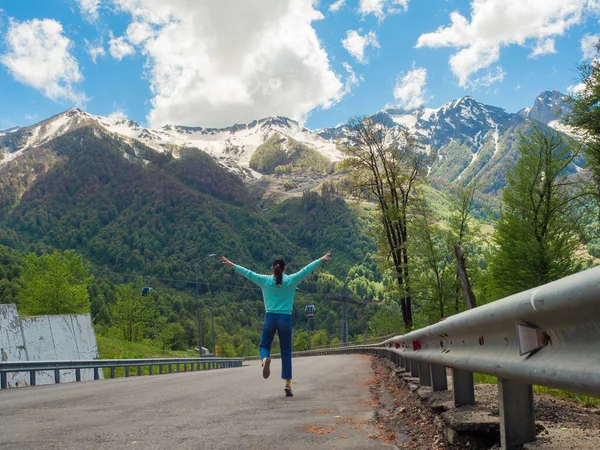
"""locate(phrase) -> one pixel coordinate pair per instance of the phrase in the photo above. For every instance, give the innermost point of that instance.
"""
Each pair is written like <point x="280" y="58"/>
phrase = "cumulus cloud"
<point x="212" y="68"/>
<point x="39" y="55"/>
<point x="381" y="8"/>
<point x="95" y="50"/>
<point x="543" y="47"/>
<point x="588" y="43"/>
<point x="356" y="44"/>
<point x="499" y="23"/>
<point x="120" y="48"/>
<point x="575" y="89"/>
<point x="334" y="7"/>
<point x="139" y="32"/>
<point x="410" y="91"/>
<point x="89" y="9"/>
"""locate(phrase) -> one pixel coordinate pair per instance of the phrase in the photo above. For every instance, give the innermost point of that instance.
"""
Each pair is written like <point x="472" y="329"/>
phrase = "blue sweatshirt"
<point x="278" y="298"/>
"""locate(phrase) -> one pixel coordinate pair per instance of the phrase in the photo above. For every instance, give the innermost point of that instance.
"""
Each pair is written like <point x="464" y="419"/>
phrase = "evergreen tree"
<point x="586" y="117"/>
<point x="55" y="284"/>
<point x="536" y="236"/>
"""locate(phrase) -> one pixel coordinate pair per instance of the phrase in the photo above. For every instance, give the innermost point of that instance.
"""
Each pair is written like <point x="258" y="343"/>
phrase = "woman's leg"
<point x="268" y="332"/>
<point x="284" y="329"/>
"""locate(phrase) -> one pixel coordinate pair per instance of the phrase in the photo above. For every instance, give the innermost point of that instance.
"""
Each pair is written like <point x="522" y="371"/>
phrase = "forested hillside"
<point x="145" y="218"/>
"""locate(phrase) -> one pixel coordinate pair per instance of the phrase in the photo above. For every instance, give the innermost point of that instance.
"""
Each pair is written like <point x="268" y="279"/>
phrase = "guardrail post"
<point x="160" y="369"/>
<point x="57" y="376"/>
<point x="32" y="378"/>
<point x="113" y="372"/>
<point x="517" y="418"/>
<point x="406" y="365"/>
<point x="126" y="371"/>
<point x="96" y="374"/>
<point x="414" y="369"/>
<point x="3" y="381"/>
<point x="424" y="374"/>
<point x="151" y="369"/>
<point x="139" y="371"/>
<point x="439" y="380"/>
<point x="464" y="390"/>
<point x="77" y="374"/>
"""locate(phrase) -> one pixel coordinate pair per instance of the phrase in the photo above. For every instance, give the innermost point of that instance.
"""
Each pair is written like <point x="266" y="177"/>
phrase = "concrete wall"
<point x="46" y="338"/>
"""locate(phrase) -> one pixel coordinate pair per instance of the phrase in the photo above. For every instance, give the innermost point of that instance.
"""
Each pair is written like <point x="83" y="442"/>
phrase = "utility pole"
<point x="200" y="340"/>
<point x="345" y="299"/>
<point x="200" y="337"/>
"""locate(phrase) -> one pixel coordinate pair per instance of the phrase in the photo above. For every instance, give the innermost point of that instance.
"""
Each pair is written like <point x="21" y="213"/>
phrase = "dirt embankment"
<point x="418" y="419"/>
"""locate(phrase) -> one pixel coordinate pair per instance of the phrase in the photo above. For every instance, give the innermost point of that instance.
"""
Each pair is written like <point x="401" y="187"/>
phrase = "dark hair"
<point x="278" y="268"/>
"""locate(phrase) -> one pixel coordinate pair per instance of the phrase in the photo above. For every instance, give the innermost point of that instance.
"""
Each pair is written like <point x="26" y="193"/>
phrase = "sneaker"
<point x="266" y="368"/>
<point x="288" y="391"/>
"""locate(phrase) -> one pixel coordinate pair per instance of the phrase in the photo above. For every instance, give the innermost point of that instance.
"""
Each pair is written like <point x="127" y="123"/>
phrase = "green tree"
<point x="463" y="237"/>
<point x="432" y="272"/>
<point x="586" y="117"/>
<point x="55" y="284"/>
<point x="536" y="236"/>
<point x="385" y="322"/>
<point x="319" y="339"/>
<point x="301" y="342"/>
<point x="387" y="168"/>
<point x="131" y="312"/>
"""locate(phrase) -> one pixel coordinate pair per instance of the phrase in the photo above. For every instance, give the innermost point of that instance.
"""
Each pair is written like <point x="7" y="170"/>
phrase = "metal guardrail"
<point x="548" y="336"/>
<point x="96" y="364"/>
<point x="360" y="342"/>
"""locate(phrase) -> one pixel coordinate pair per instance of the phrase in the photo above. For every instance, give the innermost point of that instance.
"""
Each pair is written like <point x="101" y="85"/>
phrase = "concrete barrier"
<point x="46" y="338"/>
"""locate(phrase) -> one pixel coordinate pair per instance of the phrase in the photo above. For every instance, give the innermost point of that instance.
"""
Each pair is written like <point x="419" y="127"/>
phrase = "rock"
<point x="469" y="419"/>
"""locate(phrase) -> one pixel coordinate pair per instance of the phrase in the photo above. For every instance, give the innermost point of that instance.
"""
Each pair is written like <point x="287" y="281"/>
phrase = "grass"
<point x="583" y="400"/>
<point x="113" y="348"/>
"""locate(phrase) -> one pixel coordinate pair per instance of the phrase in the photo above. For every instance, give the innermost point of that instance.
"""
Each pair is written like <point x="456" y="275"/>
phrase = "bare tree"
<point x="385" y="165"/>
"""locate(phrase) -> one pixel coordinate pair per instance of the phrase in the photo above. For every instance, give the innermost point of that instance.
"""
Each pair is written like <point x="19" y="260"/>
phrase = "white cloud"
<point x="588" y="43"/>
<point x="499" y="23"/>
<point x="543" y="47"/>
<point x="490" y="77"/>
<point x="39" y="56"/>
<point x="575" y="88"/>
<point x="117" y="114"/>
<point x="381" y="8"/>
<point x="89" y="8"/>
<point x="119" y="47"/>
<point x="410" y="91"/>
<point x="212" y="68"/>
<point x="352" y="80"/>
<point x="334" y="7"/>
<point x="95" y="50"/>
<point x="356" y="44"/>
<point x="139" y="32"/>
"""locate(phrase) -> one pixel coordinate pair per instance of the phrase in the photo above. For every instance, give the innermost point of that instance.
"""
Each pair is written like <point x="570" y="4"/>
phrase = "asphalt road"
<point x="217" y="409"/>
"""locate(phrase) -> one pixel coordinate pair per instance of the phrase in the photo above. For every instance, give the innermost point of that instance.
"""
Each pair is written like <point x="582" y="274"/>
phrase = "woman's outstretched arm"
<point x="252" y="276"/>
<point x="299" y="276"/>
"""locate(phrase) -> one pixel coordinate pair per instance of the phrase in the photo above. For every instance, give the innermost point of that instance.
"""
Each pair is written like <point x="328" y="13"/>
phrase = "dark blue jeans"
<point x="282" y="323"/>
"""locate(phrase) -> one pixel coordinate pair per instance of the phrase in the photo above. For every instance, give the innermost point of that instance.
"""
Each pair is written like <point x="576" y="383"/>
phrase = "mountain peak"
<point x="548" y="107"/>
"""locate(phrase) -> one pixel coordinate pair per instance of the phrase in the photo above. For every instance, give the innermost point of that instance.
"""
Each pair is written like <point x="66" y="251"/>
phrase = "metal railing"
<point x="164" y="365"/>
<point x="547" y="336"/>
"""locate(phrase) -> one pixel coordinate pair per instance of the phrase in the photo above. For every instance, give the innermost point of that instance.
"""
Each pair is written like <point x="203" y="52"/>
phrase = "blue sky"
<point x="215" y="63"/>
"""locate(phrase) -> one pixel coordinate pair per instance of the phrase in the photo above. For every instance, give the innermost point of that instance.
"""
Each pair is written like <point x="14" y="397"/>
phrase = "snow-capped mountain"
<point x="549" y="107"/>
<point x="470" y="138"/>
<point x="232" y="147"/>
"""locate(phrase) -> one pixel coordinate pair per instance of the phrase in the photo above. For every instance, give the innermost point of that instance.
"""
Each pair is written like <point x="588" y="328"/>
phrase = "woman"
<point x="278" y="294"/>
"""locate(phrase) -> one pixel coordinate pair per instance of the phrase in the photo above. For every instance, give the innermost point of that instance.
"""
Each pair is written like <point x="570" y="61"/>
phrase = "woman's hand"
<point x="326" y="257"/>
<point x="226" y="262"/>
